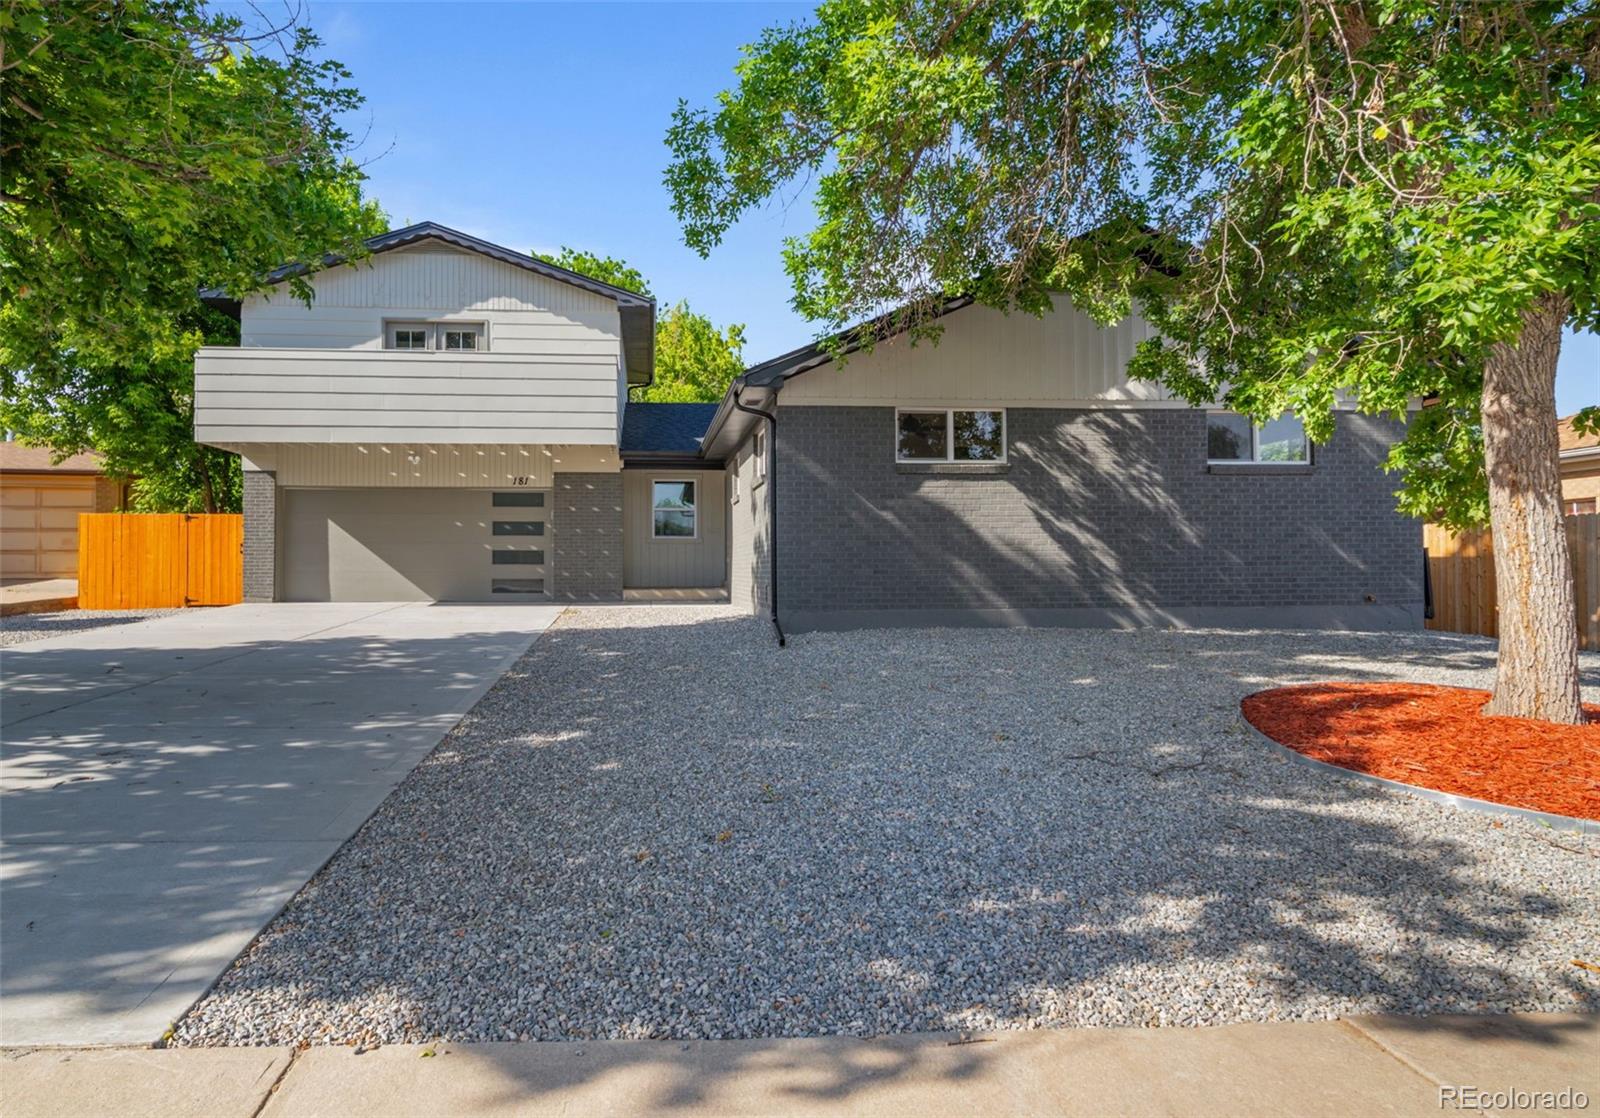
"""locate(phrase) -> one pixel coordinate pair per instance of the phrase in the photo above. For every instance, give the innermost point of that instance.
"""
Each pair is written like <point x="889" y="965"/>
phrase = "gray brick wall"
<point x="750" y="555"/>
<point x="260" y="536"/>
<point x="587" y="525"/>
<point x="1097" y="511"/>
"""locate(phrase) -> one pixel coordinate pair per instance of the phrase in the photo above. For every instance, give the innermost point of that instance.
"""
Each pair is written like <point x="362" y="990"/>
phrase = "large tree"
<point x="1314" y="201"/>
<point x="149" y="149"/>
<point x="695" y="360"/>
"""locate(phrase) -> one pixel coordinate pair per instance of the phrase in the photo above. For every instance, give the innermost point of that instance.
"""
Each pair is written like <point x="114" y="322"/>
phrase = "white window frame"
<point x="435" y="329"/>
<point x="1255" y="458"/>
<point x="694" y="509"/>
<point x="758" y="455"/>
<point x="733" y="488"/>
<point x="950" y="458"/>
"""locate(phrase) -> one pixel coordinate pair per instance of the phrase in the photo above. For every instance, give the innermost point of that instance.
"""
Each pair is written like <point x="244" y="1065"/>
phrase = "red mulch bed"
<point x="1434" y="737"/>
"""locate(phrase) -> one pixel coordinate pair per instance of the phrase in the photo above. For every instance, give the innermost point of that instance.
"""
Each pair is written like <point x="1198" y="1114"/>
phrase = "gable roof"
<point x="769" y="375"/>
<point x="638" y="312"/>
<point x="18" y="459"/>
<point x="845" y="342"/>
<point x="674" y="429"/>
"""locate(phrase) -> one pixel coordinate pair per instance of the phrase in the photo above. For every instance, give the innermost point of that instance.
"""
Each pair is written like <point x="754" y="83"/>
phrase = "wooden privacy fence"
<point x="1461" y="575"/>
<point x="134" y="560"/>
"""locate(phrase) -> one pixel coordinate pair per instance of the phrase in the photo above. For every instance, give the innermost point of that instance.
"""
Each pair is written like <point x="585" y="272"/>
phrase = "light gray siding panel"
<point x="319" y="373"/>
<point x="445" y="418"/>
<point x="507" y="386"/>
<point x="467" y="408"/>
<point x="226" y="435"/>
<point x="984" y="357"/>
<point x="441" y="282"/>
<point x="298" y="395"/>
<point x="367" y="545"/>
<point x="676" y="564"/>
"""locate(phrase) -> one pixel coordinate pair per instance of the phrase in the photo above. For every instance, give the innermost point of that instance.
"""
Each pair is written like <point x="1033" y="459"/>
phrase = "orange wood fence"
<point x="133" y="560"/>
<point x="1461" y="570"/>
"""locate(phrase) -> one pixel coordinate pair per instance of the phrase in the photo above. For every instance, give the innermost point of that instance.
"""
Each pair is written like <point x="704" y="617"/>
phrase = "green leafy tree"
<point x="695" y="361"/>
<point x="150" y="149"/>
<point x="1380" y="202"/>
<point x="606" y="269"/>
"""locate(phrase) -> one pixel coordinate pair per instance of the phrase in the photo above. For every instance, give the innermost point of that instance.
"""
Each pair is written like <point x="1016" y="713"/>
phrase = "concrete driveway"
<point x="166" y="786"/>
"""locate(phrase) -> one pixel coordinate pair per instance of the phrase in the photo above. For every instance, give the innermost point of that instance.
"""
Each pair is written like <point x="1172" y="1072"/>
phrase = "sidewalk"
<point x="39" y="596"/>
<point x="1368" y="1066"/>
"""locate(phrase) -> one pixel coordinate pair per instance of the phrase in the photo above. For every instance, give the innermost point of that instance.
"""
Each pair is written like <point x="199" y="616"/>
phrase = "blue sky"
<point x="539" y="125"/>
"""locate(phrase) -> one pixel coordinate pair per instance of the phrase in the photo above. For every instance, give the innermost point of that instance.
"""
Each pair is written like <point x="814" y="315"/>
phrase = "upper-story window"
<point x="444" y="337"/>
<point x="1231" y="437"/>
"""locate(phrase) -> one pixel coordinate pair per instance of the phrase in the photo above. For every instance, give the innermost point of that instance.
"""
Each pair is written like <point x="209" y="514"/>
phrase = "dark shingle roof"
<point x="665" y="428"/>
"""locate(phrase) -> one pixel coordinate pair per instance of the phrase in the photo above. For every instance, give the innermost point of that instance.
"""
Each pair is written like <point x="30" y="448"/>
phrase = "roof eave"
<point x="770" y="375"/>
<point x="638" y="312"/>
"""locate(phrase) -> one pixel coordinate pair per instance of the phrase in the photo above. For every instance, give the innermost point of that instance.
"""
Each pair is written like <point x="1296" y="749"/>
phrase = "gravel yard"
<point x="658" y="824"/>
<point x="23" y="627"/>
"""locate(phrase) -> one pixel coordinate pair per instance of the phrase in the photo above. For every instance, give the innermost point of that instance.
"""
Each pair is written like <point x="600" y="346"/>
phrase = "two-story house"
<point x="449" y="420"/>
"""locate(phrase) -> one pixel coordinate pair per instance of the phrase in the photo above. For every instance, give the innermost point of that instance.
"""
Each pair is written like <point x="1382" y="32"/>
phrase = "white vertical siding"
<point x="527" y="313"/>
<point x="986" y="357"/>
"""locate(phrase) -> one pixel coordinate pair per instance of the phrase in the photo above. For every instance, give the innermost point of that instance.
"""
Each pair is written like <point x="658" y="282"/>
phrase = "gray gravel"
<point x="660" y="825"/>
<point x="23" y="627"/>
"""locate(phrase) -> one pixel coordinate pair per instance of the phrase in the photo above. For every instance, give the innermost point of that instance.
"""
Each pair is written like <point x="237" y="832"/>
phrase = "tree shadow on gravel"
<point x="658" y="825"/>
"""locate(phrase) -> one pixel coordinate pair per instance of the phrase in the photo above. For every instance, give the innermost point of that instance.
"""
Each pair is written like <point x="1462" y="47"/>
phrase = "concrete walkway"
<point x="166" y="786"/>
<point x="38" y="596"/>
<point x="1366" y="1066"/>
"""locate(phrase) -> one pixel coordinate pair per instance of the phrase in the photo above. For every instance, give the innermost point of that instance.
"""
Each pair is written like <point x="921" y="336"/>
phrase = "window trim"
<point x="435" y="329"/>
<point x="758" y="456"/>
<point x="950" y="458"/>
<point x="733" y="486"/>
<point x="536" y="499"/>
<point x="1255" y="458"/>
<point x="512" y="556"/>
<point x="694" y="509"/>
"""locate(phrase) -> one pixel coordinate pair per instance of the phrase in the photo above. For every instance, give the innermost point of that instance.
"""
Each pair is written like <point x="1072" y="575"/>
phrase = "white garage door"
<point x="39" y="526"/>
<point x="394" y="545"/>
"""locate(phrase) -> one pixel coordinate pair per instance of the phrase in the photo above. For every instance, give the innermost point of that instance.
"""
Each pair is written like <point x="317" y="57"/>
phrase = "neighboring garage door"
<point x="39" y="526"/>
<point x="390" y="545"/>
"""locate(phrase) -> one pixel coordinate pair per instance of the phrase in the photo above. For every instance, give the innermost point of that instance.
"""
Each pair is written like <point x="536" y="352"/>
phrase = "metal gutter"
<point x="646" y="461"/>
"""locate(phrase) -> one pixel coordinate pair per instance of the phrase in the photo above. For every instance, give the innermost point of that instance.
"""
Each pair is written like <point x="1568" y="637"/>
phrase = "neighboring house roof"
<point x="1574" y="445"/>
<point x="670" y="429"/>
<point x="638" y="311"/>
<point x="18" y="459"/>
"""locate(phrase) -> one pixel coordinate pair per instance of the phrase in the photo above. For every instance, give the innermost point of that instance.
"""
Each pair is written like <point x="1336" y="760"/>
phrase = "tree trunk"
<point x="208" y="494"/>
<point x="1537" y="672"/>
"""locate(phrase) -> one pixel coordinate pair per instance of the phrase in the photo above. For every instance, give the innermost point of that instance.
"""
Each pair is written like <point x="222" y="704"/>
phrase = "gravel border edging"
<point x="1449" y="799"/>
